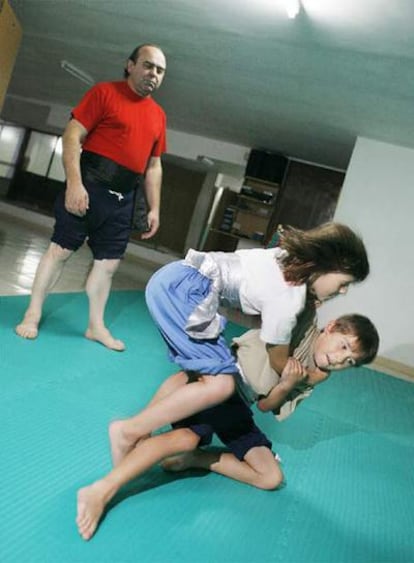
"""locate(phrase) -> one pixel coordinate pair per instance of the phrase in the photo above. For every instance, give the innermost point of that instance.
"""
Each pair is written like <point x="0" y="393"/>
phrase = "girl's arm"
<point x="278" y="356"/>
<point x="292" y="374"/>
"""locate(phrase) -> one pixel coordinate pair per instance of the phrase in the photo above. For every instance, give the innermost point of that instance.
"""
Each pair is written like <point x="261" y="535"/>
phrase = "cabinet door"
<point x="308" y="197"/>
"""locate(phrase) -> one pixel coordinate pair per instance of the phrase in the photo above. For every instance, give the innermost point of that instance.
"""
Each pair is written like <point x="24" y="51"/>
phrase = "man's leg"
<point x="259" y="467"/>
<point x="93" y="499"/>
<point x="98" y="287"/>
<point x="47" y="274"/>
<point x="184" y="401"/>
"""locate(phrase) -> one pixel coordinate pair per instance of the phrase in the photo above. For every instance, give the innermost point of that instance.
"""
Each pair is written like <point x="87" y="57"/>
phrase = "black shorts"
<point x="107" y="224"/>
<point x="232" y="422"/>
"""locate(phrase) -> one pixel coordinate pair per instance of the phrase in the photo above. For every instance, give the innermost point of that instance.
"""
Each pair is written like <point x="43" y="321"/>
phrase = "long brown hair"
<point x="331" y="247"/>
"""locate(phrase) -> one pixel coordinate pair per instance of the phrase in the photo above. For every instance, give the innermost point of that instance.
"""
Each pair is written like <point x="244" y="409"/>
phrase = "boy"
<point x="350" y="340"/>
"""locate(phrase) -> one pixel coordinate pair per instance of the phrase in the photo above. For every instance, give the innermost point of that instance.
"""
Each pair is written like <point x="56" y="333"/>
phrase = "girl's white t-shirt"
<point x="264" y="292"/>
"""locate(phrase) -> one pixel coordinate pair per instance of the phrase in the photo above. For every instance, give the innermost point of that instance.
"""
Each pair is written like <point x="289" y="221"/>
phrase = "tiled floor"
<point x="22" y="245"/>
<point x="23" y="242"/>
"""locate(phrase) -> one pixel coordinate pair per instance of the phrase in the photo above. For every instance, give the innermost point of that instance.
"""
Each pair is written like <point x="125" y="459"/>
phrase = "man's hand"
<point x="76" y="199"/>
<point x="153" y="225"/>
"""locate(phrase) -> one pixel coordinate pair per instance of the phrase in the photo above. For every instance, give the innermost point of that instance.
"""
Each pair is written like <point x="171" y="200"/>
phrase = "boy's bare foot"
<point x="180" y="462"/>
<point x="90" y="506"/>
<point x="120" y="445"/>
<point x="103" y="336"/>
<point x="29" y="327"/>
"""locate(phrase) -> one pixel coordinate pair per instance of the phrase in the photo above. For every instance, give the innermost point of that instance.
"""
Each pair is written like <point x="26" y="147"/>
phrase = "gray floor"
<point x="25" y="236"/>
<point x="22" y="244"/>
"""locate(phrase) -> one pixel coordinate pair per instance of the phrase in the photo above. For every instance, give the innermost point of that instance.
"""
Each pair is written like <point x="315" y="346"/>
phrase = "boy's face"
<point x="334" y="351"/>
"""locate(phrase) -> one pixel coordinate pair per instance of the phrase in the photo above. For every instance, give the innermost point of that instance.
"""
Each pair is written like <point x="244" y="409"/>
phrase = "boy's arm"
<point x="292" y="374"/>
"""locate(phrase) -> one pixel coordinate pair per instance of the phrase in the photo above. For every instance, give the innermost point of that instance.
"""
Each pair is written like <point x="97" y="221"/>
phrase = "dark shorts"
<point x="232" y="421"/>
<point x="106" y="226"/>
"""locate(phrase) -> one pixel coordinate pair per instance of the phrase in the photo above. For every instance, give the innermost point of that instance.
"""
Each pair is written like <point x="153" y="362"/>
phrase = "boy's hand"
<point x="293" y="373"/>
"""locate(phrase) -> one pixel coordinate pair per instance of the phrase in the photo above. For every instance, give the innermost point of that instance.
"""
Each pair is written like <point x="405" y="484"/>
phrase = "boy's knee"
<point x="271" y="480"/>
<point x="274" y="481"/>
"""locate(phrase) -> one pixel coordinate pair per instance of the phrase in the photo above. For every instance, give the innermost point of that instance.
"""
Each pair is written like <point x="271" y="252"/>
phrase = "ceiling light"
<point x="292" y="8"/>
<point x="77" y="72"/>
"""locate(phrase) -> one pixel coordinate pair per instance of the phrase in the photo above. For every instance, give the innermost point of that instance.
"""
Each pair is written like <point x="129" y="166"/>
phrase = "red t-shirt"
<point x="122" y="125"/>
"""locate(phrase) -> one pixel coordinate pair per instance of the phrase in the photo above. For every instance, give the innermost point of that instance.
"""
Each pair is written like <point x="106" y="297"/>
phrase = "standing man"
<point x="122" y="132"/>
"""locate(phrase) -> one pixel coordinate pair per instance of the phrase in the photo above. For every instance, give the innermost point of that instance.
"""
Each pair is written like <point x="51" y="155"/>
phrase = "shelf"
<point x="236" y="235"/>
<point x="227" y="233"/>
<point x="256" y="201"/>
<point x="255" y="183"/>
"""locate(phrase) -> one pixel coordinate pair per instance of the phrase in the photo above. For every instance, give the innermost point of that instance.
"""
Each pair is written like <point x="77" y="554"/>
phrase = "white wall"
<point x="192" y="146"/>
<point x="377" y="200"/>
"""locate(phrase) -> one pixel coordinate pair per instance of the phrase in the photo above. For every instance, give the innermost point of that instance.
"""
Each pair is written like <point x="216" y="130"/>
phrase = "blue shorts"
<point x="107" y="224"/>
<point x="232" y="422"/>
<point x="172" y="293"/>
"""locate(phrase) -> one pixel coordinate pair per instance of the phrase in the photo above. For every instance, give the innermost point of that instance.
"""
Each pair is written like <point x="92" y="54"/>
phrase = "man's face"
<point x="334" y="351"/>
<point x="146" y="74"/>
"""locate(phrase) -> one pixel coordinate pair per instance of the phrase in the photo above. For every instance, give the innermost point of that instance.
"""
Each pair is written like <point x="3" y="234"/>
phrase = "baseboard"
<point x="394" y="368"/>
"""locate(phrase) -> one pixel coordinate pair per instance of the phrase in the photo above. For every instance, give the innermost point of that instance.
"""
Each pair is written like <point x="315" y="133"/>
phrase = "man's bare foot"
<point x="29" y="327"/>
<point x="90" y="506"/>
<point x="120" y="445"/>
<point x="103" y="336"/>
<point x="180" y="462"/>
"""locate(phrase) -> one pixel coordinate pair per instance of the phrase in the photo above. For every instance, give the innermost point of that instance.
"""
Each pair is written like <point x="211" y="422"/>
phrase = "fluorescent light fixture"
<point x="292" y="8"/>
<point x="77" y="72"/>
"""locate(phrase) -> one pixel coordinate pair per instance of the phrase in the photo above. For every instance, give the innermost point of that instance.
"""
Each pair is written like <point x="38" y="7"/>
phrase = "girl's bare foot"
<point x="103" y="336"/>
<point x="29" y="327"/>
<point x="90" y="506"/>
<point x="120" y="445"/>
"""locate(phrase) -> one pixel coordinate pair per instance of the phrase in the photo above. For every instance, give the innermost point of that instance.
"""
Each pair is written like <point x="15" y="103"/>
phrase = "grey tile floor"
<point x="22" y="244"/>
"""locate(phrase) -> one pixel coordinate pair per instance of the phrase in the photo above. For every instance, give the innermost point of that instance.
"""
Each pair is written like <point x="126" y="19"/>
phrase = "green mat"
<point x="347" y="456"/>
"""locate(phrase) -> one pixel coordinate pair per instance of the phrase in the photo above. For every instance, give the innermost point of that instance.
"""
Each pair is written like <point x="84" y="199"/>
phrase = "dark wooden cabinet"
<point x="307" y="197"/>
<point x="243" y="216"/>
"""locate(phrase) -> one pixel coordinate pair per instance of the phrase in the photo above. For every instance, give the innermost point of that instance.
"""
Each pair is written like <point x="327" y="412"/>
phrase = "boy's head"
<point x="350" y="340"/>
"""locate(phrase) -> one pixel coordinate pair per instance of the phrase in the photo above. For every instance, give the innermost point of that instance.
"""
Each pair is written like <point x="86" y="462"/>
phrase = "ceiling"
<point x="238" y="71"/>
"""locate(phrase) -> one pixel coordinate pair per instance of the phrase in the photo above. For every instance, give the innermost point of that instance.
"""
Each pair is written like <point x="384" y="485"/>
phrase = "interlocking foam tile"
<point x="347" y="455"/>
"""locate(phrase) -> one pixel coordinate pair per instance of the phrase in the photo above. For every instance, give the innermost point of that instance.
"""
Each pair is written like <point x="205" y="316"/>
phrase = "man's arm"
<point x="292" y="374"/>
<point x="152" y="187"/>
<point x="76" y="196"/>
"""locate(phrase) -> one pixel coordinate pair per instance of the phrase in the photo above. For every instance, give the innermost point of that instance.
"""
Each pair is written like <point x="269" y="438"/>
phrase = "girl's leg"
<point x="171" y="384"/>
<point x="184" y="401"/>
<point x="259" y="467"/>
<point x="93" y="499"/>
<point x="168" y="386"/>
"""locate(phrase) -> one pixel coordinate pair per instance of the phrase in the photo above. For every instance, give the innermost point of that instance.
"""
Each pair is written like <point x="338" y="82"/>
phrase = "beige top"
<point x="258" y="377"/>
